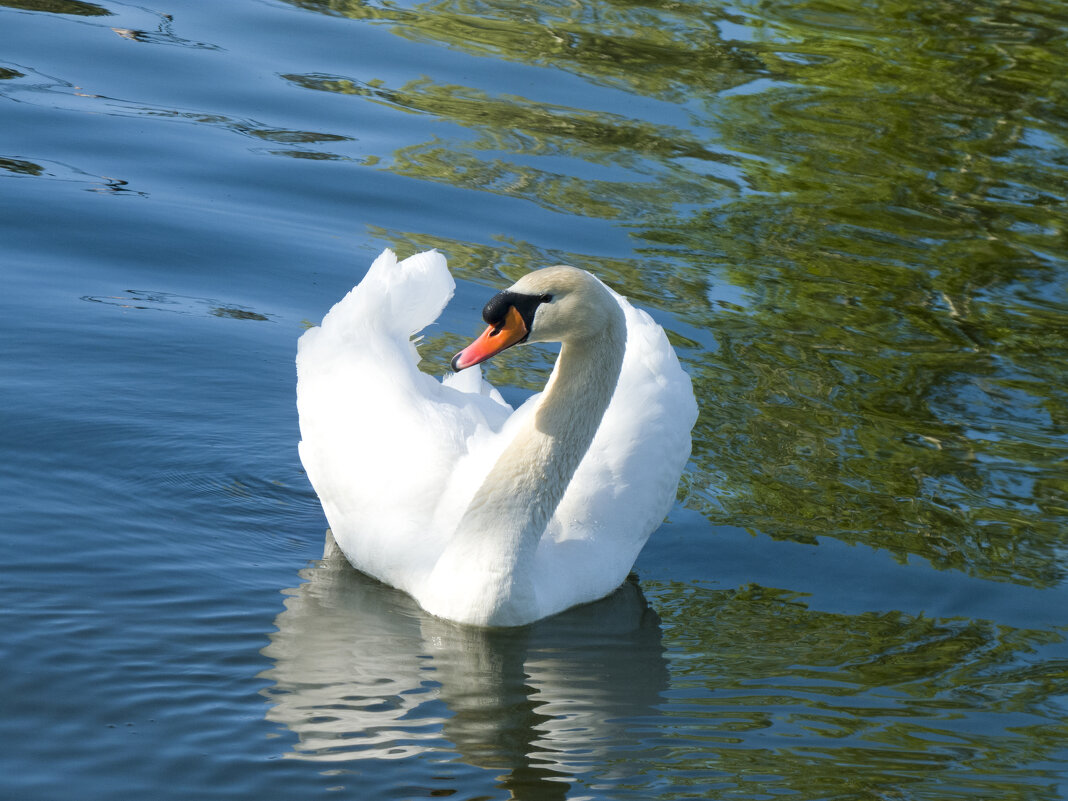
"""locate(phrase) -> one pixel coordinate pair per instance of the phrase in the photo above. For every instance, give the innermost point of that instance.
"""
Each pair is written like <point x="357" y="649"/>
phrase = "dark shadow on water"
<point x="360" y="672"/>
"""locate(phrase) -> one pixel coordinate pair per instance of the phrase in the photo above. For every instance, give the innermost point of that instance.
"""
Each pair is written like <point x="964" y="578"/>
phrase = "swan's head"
<point x="557" y="304"/>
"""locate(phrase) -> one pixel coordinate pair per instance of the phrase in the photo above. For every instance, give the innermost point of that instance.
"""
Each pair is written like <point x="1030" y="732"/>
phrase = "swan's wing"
<point x="379" y="437"/>
<point x="627" y="482"/>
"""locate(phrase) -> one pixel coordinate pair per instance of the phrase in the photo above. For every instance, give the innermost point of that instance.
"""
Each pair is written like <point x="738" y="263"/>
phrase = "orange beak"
<point x="493" y="340"/>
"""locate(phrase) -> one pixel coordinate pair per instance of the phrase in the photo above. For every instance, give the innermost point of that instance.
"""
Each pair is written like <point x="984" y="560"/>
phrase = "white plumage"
<point x="398" y="457"/>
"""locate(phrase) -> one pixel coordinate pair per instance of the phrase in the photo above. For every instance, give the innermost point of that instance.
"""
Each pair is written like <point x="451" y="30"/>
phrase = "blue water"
<point x="851" y="223"/>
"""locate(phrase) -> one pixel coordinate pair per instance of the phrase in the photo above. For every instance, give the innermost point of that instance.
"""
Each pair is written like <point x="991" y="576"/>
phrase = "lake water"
<point x="850" y="217"/>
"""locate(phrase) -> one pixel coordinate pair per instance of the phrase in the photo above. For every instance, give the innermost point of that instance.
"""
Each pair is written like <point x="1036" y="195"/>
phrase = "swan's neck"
<point x="527" y="482"/>
<point x="496" y="539"/>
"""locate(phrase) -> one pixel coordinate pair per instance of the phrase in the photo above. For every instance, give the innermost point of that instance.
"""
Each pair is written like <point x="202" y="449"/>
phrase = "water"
<point x="851" y="220"/>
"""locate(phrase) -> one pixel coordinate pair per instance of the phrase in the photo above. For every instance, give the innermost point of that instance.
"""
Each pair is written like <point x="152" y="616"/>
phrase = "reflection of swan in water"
<point x="360" y="672"/>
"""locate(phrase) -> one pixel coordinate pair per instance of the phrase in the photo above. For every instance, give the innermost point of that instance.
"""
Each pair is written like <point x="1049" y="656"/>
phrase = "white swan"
<point x="484" y="515"/>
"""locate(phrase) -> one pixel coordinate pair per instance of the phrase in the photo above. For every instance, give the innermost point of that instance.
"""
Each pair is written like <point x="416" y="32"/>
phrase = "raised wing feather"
<point x="380" y="437"/>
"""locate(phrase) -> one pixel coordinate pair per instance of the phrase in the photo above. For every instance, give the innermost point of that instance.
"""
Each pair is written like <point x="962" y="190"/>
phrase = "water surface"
<point x="850" y="220"/>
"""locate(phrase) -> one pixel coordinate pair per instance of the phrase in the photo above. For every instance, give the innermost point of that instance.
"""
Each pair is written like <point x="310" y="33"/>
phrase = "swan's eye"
<point x="546" y="298"/>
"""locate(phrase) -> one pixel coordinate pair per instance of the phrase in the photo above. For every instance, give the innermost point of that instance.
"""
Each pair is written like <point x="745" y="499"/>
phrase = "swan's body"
<point x="485" y="515"/>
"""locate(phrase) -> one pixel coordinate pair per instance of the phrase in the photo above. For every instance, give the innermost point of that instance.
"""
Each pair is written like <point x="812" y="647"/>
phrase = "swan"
<point x="487" y="515"/>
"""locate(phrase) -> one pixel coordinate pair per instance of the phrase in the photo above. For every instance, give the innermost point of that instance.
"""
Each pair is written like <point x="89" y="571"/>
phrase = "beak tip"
<point x="492" y="341"/>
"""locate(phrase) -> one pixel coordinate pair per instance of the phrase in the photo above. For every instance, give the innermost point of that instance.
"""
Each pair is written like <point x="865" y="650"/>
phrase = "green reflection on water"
<point x="896" y="376"/>
<point x="876" y="705"/>
<point x="864" y="206"/>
